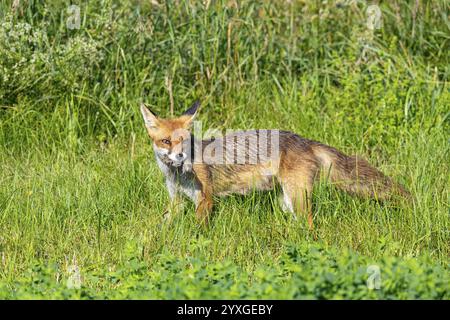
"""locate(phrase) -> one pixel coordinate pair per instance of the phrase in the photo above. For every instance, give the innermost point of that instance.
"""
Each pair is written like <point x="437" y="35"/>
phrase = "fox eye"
<point x="165" y="141"/>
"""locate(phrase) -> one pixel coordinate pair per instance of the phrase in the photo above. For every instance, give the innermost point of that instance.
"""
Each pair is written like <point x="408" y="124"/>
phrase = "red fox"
<point x="255" y="160"/>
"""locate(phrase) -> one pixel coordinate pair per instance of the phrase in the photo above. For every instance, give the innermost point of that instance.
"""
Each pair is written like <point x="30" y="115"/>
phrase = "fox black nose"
<point x="180" y="156"/>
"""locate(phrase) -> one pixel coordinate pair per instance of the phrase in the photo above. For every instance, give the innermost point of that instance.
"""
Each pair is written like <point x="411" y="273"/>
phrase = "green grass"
<point x="78" y="181"/>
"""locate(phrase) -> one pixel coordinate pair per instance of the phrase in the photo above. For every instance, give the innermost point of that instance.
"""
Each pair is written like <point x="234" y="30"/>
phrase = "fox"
<point x="205" y="168"/>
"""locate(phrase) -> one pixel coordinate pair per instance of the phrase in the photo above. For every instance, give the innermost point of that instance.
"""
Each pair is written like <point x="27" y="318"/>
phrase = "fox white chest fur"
<point x="179" y="180"/>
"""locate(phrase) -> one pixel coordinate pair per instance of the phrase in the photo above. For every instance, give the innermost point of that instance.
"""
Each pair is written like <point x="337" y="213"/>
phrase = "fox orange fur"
<point x="294" y="164"/>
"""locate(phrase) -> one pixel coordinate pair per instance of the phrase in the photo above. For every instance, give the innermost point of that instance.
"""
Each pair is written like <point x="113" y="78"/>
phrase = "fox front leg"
<point x="203" y="206"/>
<point x="203" y="202"/>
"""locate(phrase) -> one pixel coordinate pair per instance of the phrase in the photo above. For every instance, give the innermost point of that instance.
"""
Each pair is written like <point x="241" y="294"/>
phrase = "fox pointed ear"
<point x="190" y="113"/>
<point x="150" y="119"/>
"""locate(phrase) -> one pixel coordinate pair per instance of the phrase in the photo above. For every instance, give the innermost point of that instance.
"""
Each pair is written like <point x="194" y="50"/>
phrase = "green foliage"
<point x="33" y="67"/>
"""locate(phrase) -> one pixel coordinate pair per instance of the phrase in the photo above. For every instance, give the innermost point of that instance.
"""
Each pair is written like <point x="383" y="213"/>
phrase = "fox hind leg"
<point x="286" y="204"/>
<point x="297" y="200"/>
<point x="297" y="189"/>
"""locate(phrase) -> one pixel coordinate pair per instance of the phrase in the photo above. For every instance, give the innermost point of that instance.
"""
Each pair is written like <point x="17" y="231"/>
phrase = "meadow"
<point x="81" y="196"/>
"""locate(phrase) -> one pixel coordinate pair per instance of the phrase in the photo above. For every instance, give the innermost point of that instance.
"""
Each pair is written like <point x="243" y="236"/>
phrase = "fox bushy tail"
<point x="356" y="176"/>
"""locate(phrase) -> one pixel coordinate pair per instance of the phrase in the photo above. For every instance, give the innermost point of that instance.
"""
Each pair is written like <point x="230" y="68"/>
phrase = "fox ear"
<point x="190" y="113"/>
<point x="150" y="119"/>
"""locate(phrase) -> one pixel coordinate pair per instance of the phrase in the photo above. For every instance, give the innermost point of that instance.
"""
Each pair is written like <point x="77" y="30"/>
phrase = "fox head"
<point x="171" y="137"/>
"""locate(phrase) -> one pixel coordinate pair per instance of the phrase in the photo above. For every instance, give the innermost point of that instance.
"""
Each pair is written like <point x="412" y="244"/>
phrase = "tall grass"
<point x="77" y="175"/>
